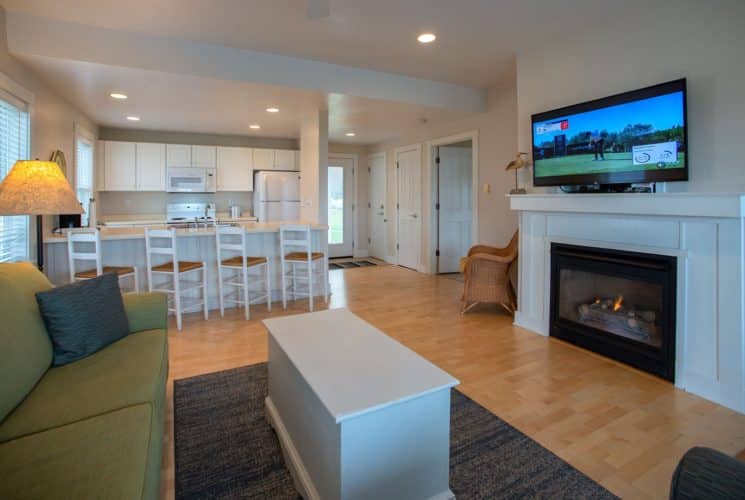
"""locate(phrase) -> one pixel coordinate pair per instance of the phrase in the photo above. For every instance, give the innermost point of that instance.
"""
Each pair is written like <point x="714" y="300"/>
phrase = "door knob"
<point x="414" y="216"/>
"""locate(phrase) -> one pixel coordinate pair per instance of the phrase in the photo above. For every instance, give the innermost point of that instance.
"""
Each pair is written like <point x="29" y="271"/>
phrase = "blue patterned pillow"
<point x="83" y="317"/>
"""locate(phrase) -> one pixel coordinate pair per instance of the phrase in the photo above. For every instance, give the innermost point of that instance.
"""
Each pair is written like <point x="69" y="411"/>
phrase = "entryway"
<point x="453" y="203"/>
<point x="341" y="206"/>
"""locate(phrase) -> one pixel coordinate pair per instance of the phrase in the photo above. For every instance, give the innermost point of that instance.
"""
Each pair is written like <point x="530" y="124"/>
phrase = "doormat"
<point x="351" y="264"/>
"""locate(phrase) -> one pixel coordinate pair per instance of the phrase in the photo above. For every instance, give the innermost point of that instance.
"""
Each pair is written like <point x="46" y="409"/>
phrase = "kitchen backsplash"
<point x="133" y="203"/>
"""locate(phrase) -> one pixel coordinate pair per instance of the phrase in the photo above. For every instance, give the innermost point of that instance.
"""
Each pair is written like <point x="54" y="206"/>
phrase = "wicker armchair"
<point x="487" y="276"/>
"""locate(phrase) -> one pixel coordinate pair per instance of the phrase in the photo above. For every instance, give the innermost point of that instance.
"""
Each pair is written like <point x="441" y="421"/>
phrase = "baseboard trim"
<point x="294" y="463"/>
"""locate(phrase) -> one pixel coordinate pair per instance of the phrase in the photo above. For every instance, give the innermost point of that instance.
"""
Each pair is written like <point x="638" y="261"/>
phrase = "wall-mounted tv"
<point x="634" y="137"/>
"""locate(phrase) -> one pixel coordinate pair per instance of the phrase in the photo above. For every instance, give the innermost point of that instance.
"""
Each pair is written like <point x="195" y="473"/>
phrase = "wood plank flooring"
<point x="623" y="428"/>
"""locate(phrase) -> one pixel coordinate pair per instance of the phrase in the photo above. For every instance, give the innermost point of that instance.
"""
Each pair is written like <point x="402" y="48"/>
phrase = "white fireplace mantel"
<point x="705" y="231"/>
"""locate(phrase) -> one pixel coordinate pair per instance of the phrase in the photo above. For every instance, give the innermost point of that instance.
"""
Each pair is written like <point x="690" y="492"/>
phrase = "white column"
<point x="314" y="167"/>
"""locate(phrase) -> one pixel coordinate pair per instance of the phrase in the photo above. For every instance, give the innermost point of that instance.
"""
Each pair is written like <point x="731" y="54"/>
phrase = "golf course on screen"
<point x="646" y="134"/>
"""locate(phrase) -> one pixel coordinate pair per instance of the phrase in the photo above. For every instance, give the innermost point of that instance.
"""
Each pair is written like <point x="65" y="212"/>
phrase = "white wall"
<point x="496" y="147"/>
<point x="53" y="119"/>
<point x="702" y="41"/>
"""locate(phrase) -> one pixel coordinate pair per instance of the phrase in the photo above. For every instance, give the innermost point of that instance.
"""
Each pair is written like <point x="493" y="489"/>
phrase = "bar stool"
<point x="305" y="264"/>
<point x="233" y="239"/>
<point x="90" y="239"/>
<point x="163" y="242"/>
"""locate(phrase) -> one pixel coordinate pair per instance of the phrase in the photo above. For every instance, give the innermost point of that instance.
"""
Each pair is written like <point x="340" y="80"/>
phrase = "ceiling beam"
<point x="39" y="36"/>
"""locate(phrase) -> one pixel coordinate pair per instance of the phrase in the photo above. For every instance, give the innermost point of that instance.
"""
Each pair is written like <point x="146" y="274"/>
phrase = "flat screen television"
<point x="634" y="137"/>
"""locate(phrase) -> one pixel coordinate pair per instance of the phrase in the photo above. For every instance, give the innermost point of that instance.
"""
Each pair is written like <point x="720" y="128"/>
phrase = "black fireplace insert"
<point x="619" y="304"/>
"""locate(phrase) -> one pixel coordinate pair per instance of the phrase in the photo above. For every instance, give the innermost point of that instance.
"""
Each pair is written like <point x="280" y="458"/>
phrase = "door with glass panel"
<point x="340" y="206"/>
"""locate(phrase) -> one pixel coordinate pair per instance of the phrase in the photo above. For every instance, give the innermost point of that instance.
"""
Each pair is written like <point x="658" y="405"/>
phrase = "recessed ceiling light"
<point x="118" y="95"/>
<point x="133" y="118"/>
<point x="350" y="134"/>
<point x="254" y="126"/>
<point x="272" y="110"/>
<point x="426" y="38"/>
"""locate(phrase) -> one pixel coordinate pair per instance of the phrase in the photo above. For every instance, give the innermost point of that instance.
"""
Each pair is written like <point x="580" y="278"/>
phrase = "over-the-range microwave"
<point x="191" y="180"/>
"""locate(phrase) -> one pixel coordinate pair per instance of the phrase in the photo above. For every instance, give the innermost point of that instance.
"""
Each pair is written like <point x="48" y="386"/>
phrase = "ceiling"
<point x="477" y="39"/>
<point x="177" y="102"/>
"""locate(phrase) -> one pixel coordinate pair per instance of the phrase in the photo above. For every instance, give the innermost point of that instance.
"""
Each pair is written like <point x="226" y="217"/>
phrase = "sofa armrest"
<point x="146" y="311"/>
<point x="707" y="473"/>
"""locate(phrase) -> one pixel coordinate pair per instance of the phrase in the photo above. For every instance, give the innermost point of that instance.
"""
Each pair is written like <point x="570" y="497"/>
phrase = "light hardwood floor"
<point x="623" y="428"/>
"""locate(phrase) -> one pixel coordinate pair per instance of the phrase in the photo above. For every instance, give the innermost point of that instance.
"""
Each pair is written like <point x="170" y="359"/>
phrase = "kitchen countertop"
<point x="131" y="233"/>
<point x="150" y="219"/>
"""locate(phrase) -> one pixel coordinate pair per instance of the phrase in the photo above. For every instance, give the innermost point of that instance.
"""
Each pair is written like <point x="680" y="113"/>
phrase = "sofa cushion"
<point x="128" y="372"/>
<point x="101" y="457"/>
<point x="25" y="349"/>
<point x="83" y="317"/>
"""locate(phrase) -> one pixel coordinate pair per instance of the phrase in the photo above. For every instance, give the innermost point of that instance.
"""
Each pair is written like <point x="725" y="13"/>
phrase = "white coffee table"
<point x="358" y="415"/>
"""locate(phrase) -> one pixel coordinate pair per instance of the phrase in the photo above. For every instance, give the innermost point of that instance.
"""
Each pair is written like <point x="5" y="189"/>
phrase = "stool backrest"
<point x="160" y="242"/>
<point x="86" y="239"/>
<point x="231" y="239"/>
<point x="295" y="238"/>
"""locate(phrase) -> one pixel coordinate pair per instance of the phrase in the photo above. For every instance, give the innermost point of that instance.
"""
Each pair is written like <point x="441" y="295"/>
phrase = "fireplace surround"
<point x="617" y="303"/>
<point x="705" y="232"/>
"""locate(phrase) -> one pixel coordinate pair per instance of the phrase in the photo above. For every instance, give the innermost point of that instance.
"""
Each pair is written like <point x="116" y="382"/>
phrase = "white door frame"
<point x="402" y="149"/>
<point x="355" y="197"/>
<point x="386" y="208"/>
<point x="430" y="194"/>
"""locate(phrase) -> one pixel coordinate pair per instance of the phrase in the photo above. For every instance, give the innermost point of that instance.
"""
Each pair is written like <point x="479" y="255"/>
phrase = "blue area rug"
<point x="225" y="448"/>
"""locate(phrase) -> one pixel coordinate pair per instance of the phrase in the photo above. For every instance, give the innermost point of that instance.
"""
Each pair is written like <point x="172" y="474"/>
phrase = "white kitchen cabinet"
<point x="276" y="159"/>
<point x="151" y="166"/>
<point x="285" y="159"/>
<point x="234" y="169"/>
<point x="100" y="166"/>
<point x="263" y="159"/>
<point x="121" y="166"/>
<point x="178" y="155"/>
<point x="203" y="156"/>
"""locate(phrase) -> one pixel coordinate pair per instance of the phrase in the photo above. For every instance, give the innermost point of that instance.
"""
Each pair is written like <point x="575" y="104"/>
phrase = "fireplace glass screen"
<point x="612" y="305"/>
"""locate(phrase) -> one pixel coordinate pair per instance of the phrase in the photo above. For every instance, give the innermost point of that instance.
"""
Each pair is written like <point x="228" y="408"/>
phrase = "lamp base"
<point x="39" y="243"/>
<point x="518" y="191"/>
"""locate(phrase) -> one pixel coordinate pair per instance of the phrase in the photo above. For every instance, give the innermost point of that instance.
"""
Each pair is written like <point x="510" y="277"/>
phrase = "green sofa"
<point x="89" y="429"/>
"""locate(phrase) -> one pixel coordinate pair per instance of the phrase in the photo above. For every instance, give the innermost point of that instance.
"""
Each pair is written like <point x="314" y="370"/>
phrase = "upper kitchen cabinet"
<point x="204" y="156"/>
<point x="178" y="155"/>
<point x="151" y="167"/>
<point x="275" y="159"/>
<point x="235" y="169"/>
<point x="120" y="172"/>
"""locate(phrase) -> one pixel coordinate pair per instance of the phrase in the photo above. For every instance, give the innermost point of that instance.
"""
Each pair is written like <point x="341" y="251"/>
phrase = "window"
<point x="84" y="176"/>
<point x="14" y="146"/>
<point x="336" y="205"/>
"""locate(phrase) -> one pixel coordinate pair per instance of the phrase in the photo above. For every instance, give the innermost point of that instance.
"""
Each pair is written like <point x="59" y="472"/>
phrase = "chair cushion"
<point x="100" y="457"/>
<point x="183" y="266"/>
<point x="118" y="270"/>
<point x="238" y="261"/>
<point x="25" y="348"/>
<point x="303" y="256"/>
<point x="84" y="317"/>
<point x="128" y="372"/>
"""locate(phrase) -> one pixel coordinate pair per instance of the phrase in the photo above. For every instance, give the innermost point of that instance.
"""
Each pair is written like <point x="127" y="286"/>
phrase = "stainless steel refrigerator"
<point x="277" y="196"/>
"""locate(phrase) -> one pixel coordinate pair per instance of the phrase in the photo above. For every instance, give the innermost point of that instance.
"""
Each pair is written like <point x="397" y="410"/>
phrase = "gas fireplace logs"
<point x="611" y="314"/>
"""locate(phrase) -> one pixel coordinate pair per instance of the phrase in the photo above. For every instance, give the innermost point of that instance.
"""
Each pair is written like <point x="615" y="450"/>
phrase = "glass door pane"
<point x="336" y="205"/>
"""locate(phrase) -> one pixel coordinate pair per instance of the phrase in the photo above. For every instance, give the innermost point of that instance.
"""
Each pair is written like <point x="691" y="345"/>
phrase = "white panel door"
<point x="341" y="207"/>
<point x="204" y="156"/>
<point x="455" y="193"/>
<point x="285" y="159"/>
<point x="376" y="210"/>
<point x="178" y="155"/>
<point x="409" y="207"/>
<point x="235" y="169"/>
<point x="151" y="167"/>
<point x="121" y="166"/>
<point x="263" y="159"/>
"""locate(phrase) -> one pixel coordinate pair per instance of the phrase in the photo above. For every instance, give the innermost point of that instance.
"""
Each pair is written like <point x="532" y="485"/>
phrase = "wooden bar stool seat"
<point x="183" y="266"/>
<point x="303" y="256"/>
<point x="238" y="261"/>
<point x="85" y="245"/>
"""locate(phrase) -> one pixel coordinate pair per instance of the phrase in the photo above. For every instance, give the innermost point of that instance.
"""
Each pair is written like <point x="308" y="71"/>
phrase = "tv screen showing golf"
<point x="634" y="137"/>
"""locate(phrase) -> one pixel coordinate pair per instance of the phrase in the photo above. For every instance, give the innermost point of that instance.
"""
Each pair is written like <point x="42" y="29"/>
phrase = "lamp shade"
<point x="36" y="187"/>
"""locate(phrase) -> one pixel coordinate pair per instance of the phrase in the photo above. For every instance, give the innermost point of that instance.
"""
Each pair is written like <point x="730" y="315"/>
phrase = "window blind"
<point x="14" y="146"/>
<point x="84" y="176"/>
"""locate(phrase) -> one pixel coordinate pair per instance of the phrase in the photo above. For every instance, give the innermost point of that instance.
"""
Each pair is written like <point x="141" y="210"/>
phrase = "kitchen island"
<point x="125" y="246"/>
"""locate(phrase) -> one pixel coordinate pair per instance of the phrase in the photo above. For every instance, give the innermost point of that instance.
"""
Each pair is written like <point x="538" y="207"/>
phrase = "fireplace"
<point x="619" y="304"/>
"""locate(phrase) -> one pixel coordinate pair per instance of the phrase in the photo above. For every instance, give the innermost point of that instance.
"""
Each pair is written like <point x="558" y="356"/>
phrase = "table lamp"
<point x="37" y="188"/>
